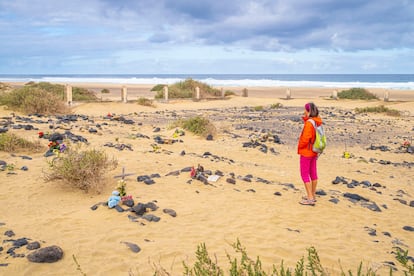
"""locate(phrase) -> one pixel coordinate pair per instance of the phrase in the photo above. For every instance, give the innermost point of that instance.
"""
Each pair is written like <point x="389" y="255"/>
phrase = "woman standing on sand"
<point x="308" y="158"/>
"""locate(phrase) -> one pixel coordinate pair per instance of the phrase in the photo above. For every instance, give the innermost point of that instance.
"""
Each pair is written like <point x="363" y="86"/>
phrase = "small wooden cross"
<point x="123" y="174"/>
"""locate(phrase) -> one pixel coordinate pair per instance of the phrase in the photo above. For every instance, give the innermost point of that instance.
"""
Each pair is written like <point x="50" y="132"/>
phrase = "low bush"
<point x="258" y="108"/>
<point x="29" y="99"/>
<point x="229" y="93"/>
<point x="78" y="93"/>
<point x="187" y="89"/>
<point x="197" y="125"/>
<point x="82" y="169"/>
<point x="105" y="91"/>
<point x="43" y="98"/>
<point x="158" y="87"/>
<point x="379" y="109"/>
<point x="145" y="102"/>
<point x="82" y="94"/>
<point x="276" y="106"/>
<point x="10" y="142"/>
<point x="357" y="94"/>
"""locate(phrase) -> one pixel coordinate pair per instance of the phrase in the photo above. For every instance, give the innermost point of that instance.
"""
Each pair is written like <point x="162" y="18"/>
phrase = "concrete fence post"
<point x="245" y="92"/>
<point x="69" y="95"/>
<point x="288" y="94"/>
<point x="166" y="93"/>
<point x="335" y="95"/>
<point x="124" y="94"/>
<point x="386" y="96"/>
<point x="222" y="92"/>
<point x="197" y="93"/>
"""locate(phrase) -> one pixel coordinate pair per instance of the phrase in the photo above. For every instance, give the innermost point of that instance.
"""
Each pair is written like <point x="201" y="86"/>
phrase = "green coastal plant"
<point x="258" y="108"/>
<point x="229" y="93"/>
<point x="82" y="169"/>
<point x="204" y="265"/>
<point x="242" y="264"/>
<point x="197" y="125"/>
<point x="78" y="93"/>
<point x="186" y="89"/>
<point x="276" y="105"/>
<point x="379" y="109"/>
<point x="33" y="100"/>
<point x="402" y="258"/>
<point x="158" y="87"/>
<point x="357" y="94"/>
<point x="10" y="142"/>
<point x="43" y="98"/>
<point x="145" y="102"/>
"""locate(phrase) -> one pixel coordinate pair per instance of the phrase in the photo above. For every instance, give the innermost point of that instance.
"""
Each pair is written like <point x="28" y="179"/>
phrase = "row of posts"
<point x="124" y="94"/>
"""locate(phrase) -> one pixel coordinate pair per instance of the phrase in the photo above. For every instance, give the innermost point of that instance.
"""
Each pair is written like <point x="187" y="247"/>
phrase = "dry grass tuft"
<point x="10" y="142"/>
<point x="82" y="169"/>
<point x="34" y="100"/>
<point x="379" y="109"/>
<point x="197" y="125"/>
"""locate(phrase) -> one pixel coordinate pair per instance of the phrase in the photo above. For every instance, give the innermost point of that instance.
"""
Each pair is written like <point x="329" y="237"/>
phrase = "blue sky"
<point x="197" y="36"/>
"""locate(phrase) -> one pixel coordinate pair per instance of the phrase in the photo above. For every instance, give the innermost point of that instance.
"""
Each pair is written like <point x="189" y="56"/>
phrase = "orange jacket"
<point x="307" y="137"/>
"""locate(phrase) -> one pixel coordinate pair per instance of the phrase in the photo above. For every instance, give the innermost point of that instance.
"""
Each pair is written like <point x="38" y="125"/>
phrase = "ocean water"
<point x="387" y="81"/>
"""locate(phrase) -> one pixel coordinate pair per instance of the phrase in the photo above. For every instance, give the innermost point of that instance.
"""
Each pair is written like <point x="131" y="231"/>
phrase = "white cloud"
<point x="214" y="35"/>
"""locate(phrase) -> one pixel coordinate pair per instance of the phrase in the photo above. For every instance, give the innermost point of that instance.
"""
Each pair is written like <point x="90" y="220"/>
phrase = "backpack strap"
<point x="312" y="121"/>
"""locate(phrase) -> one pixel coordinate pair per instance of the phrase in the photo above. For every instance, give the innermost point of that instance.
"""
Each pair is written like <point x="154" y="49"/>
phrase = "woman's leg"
<point x="305" y="164"/>
<point x="313" y="172"/>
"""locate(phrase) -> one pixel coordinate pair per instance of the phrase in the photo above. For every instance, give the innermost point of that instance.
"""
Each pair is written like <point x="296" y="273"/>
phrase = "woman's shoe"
<point x="307" y="202"/>
<point x="305" y="198"/>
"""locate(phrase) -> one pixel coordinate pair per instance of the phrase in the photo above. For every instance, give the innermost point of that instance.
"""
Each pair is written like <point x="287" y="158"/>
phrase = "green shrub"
<point x="204" y="264"/>
<point x="258" y="108"/>
<point x="186" y="89"/>
<point x="379" y="109"/>
<point x="276" y="106"/>
<point x="43" y="98"/>
<point x="158" y="87"/>
<point x="402" y="258"/>
<point x="29" y="99"/>
<point x="82" y="169"/>
<point x="78" y="94"/>
<point x="197" y="125"/>
<point x="82" y="94"/>
<point x="145" y="102"/>
<point x="229" y="93"/>
<point x="356" y="94"/>
<point x="56" y="89"/>
<point x="10" y="142"/>
<point x="105" y="91"/>
<point x="242" y="264"/>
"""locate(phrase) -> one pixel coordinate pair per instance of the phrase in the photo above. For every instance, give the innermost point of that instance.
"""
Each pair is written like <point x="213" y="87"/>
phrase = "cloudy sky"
<point x="198" y="36"/>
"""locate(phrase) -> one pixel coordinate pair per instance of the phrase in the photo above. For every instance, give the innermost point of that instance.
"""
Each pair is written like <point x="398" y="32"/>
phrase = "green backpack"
<point x="320" y="138"/>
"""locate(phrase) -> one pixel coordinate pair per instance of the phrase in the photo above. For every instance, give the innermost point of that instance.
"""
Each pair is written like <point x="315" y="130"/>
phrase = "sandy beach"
<point x="261" y="209"/>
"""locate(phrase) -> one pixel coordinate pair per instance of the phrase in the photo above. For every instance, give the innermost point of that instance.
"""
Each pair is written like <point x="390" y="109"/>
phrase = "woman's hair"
<point x="313" y="110"/>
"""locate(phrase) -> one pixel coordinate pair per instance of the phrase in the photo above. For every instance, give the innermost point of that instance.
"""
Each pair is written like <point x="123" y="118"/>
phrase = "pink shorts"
<point x="308" y="170"/>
